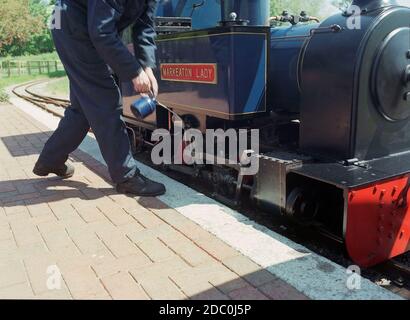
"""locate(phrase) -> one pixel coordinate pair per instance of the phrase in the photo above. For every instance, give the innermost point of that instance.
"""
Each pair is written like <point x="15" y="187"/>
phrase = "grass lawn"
<point x="58" y="88"/>
<point x="14" y="80"/>
<point x="42" y="57"/>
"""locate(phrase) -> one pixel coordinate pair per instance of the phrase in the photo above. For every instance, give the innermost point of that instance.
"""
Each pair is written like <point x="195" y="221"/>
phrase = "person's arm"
<point x="143" y="35"/>
<point x="102" y="18"/>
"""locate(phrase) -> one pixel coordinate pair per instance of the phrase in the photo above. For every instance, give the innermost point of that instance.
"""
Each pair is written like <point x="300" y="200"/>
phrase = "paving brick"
<point x="191" y="253"/>
<point x="12" y="273"/>
<point x="31" y="250"/>
<point x="26" y="188"/>
<point x="149" y="234"/>
<point x="228" y="282"/>
<point x="63" y="210"/>
<point x="247" y="293"/>
<point x="172" y="235"/>
<point x="83" y="284"/>
<point x="216" y="248"/>
<point x="67" y="264"/>
<point x="74" y="223"/>
<point x="192" y="230"/>
<point x="43" y="219"/>
<point x="62" y="294"/>
<point x="123" y="264"/>
<point x="220" y="277"/>
<point x="3" y="219"/>
<point x="156" y="250"/>
<point x="280" y="290"/>
<point x="89" y="213"/>
<point x="17" y="199"/>
<point x="59" y="242"/>
<point x="166" y="268"/>
<point x="145" y="217"/>
<point x="118" y="244"/>
<point x="122" y="286"/>
<point x="170" y="216"/>
<point x="5" y="232"/>
<point x="17" y="291"/>
<point x="115" y="214"/>
<point x="87" y="243"/>
<point x="92" y="193"/>
<point x="102" y="226"/>
<point x="25" y="233"/>
<point x="7" y="187"/>
<point x="160" y="288"/>
<point x="191" y="285"/>
<point x="15" y="207"/>
<point x="131" y="228"/>
<point x="50" y="226"/>
<point x="249" y="270"/>
<point x="22" y="217"/>
<point x="212" y="294"/>
<point x="39" y="209"/>
<point x="124" y="200"/>
<point x="8" y="196"/>
<point x="40" y="270"/>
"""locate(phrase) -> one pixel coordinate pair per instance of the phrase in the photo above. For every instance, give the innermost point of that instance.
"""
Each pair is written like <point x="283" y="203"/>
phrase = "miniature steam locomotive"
<point x="331" y="101"/>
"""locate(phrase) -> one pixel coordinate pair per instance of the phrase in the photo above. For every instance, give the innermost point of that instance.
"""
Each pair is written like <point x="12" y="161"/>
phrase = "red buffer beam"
<point x="377" y="225"/>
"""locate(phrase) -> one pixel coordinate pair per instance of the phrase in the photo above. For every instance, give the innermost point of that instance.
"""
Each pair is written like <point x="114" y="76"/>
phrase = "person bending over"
<point x="90" y="46"/>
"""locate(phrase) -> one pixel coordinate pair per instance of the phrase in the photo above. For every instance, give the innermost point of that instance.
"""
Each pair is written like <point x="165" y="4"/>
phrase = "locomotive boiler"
<point x="331" y="101"/>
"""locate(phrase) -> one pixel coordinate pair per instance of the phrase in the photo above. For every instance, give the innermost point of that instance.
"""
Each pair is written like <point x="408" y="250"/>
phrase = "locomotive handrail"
<point x="333" y="28"/>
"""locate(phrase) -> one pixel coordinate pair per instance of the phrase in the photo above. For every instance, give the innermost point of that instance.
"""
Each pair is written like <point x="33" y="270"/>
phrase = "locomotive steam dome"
<point x="356" y="78"/>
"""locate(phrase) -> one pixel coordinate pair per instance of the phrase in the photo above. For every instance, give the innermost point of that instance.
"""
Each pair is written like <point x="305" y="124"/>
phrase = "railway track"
<point x="394" y="275"/>
<point x="50" y="104"/>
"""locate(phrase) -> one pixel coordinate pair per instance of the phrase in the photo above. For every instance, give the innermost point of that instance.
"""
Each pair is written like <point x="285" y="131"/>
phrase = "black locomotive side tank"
<point x="286" y="51"/>
<point x="356" y="84"/>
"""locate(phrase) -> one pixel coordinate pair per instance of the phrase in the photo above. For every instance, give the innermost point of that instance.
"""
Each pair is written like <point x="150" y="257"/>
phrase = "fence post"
<point x="19" y="67"/>
<point x="8" y="69"/>
<point x="28" y="67"/>
<point x="56" y="65"/>
<point x="48" y="67"/>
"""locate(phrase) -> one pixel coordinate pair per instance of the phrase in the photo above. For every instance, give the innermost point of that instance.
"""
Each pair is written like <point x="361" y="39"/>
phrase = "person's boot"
<point x="141" y="186"/>
<point x="65" y="171"/>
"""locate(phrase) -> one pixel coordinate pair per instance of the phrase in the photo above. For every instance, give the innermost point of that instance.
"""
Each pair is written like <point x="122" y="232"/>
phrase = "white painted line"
<point x="314" y="275"/>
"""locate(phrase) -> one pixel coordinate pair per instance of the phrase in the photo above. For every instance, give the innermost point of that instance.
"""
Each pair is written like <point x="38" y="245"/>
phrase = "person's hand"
<point x="153" y="80"/>
<point x="142" y="83"/>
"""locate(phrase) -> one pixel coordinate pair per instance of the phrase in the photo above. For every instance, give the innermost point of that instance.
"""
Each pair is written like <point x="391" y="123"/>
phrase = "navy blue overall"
<point x="89" y="46"/>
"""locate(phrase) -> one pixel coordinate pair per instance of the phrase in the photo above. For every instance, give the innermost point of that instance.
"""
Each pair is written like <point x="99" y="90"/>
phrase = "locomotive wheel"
<point x="302" y="206"/>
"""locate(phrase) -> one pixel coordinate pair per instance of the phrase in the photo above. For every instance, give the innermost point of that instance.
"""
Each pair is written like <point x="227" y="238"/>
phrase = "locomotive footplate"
<point x="376" y="214"/>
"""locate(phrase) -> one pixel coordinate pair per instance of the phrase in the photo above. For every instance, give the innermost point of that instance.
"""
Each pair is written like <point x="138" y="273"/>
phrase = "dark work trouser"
<point x="96" y="103"/>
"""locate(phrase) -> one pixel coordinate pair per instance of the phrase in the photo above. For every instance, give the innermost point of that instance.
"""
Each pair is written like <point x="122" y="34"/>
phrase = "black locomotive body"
<point x="331" y="102"/>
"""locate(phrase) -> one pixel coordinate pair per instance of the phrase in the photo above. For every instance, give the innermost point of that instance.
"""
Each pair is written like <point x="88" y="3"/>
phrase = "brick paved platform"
<point x="79" y="239"/>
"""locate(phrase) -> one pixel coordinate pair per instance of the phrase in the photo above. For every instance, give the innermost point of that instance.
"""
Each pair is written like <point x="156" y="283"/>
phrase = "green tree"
<point x="17" y="25"/>
<point x="40" y="42"/>
<point x="23" y="27"/>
